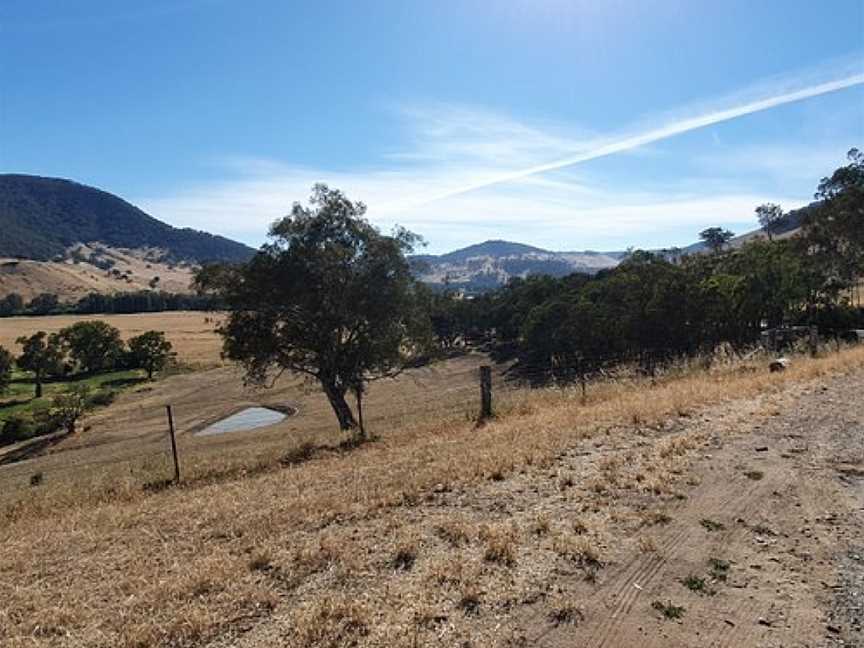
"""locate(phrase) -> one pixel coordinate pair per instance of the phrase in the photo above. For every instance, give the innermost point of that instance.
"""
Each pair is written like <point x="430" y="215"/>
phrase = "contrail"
<point x="656" y="134"/>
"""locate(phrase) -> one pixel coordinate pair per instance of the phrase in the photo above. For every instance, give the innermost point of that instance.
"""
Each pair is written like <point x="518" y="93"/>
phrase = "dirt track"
<point x="793" y="534"/>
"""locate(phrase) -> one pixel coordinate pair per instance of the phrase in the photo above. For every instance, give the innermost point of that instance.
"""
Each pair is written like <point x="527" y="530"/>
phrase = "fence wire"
<point x="432" y="395"/>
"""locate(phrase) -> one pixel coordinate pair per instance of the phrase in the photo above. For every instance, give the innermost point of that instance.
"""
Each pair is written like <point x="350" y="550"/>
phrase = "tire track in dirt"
<point x="766" y="600"/>
<point x="629" y="588"/>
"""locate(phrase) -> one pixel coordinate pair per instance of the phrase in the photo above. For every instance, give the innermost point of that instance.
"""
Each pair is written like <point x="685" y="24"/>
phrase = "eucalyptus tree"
<point x="329" y="297"/>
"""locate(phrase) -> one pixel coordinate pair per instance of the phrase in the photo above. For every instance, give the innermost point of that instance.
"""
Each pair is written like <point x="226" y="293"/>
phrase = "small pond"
<point x="246" y="419"/>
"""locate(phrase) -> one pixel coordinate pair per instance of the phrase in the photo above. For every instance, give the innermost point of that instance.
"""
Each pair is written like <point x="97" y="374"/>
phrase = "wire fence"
<point x="144" y="459"/>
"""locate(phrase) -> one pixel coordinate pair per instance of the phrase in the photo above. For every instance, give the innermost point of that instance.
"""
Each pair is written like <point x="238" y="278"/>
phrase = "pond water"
<point x="246" y="419"/>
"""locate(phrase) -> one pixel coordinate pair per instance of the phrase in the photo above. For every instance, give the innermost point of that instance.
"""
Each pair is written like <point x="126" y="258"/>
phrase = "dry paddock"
<point x="535" y="529"/>
<point x="191" y="332"/>
<point x="126" y="445"/>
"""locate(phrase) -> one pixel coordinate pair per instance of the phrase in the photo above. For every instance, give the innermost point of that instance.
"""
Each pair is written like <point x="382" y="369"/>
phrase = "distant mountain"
<point x="488" y="265"/>
<point x="41" y="218"/>
<point x="491" y="264"/>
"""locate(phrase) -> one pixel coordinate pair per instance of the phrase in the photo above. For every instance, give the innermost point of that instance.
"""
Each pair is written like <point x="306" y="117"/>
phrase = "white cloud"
<point x="544" y="211"/>
<point x="667" y="130"/>
<point x="467" y="174"/>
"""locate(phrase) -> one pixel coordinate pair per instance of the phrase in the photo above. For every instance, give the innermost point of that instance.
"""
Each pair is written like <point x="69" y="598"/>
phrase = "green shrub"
<point x="17" y="428"/>
<point x="44" y="421"/>
<point x="102" y="398"/>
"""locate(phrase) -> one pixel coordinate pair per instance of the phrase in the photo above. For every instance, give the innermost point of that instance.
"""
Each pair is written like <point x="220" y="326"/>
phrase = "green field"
<point x="19" y="397"/>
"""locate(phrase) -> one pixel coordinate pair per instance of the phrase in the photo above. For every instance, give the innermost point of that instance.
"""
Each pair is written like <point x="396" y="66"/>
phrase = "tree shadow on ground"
<point x="13" y="403"/>
<point x="124" y="382"/>
<point x="32" y="448"/>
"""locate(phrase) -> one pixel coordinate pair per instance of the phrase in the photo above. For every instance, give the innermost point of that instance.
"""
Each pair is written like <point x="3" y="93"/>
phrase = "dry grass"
<point x="190" y="332"/>
<point x="266" y="553"/>
<point x="71" y="281"/>
<point x="501" y="542"/>
<point x="125" y="446"/>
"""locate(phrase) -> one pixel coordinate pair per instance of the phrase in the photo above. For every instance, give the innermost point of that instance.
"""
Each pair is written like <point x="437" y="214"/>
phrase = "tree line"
<point x="658" y="305"/>
<point x="141" y="301"/>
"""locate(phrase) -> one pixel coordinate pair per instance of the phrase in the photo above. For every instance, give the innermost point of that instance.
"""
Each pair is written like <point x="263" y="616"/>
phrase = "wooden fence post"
<point x="814" y="340"/>
<point x="582" y="378"/>
<point x="173" y="445"/>
<point x="485" y="392"/>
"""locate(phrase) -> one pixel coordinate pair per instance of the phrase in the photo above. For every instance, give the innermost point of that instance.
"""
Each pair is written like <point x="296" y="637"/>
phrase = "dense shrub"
<point x="102" y="398"/>
<point x="17" y="428"/>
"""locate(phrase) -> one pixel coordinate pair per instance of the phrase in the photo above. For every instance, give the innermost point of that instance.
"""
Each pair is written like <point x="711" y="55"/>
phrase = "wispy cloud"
<point x="663" y="132"/>
<point x="464" y="174"/>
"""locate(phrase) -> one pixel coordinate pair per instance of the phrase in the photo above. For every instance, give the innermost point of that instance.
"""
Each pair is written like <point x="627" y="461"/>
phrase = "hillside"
<point x="789" y="226"/>
<point x="118" y="270"/>
<point x="42" y="217"/>
<point x="491" y="264"/>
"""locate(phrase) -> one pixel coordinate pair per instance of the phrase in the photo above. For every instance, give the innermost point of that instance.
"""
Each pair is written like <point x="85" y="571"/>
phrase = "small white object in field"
<point x="779" y="364"/>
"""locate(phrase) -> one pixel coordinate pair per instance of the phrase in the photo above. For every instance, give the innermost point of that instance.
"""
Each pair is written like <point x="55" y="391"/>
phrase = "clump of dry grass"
<point x="647" y="544"/>
<point x="540" y="525"/>
<point x="653" y="518"/>
<point x="470" y="600"/>
<point x="321" y="554"/>
<point x="563" y="611"/>
<point x="333" y="620"/>
<point x="584" y="550"/>
<point x="456" y="531"/>
<point x="501" y="541"/>
<point x="450" y="570"/>
<point x="405" y="554"/>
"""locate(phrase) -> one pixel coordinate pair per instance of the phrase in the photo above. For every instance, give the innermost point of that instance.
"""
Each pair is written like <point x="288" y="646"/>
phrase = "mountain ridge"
<point x="42" y="217"/>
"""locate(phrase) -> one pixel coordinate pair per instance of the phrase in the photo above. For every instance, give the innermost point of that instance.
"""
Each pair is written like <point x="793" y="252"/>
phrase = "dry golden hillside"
<point x="132" y="270"/>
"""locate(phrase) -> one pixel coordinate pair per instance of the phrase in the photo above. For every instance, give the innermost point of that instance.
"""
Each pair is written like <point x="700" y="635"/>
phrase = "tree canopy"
<point x="716" y="238"/>
<point x="150" y="351"/>
<point x="834" y="231"/>
<point x="770" y="218"/>
<point x="42" y="354"/>
<point x="93" y="345"/>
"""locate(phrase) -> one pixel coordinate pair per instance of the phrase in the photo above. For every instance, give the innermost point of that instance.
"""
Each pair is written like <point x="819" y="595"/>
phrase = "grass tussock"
<point x="501" y="543"/>
<point x="331" y="621"/>
<point x="584" y="550"/>
<point x="563" y="611"/>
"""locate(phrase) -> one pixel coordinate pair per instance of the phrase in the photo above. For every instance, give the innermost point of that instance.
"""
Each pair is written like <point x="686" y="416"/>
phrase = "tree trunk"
<point x="38" y="385"/>
<point x="359" y="394"/>
<point x="340" y="407"/>
<point x="150" y="373"/>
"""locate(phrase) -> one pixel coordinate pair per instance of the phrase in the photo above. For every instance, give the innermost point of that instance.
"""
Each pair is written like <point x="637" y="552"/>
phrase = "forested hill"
<point x="41" y="217"/>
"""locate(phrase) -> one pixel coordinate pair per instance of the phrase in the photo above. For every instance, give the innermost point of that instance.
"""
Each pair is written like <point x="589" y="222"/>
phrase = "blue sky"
<point x="565" y="124"/>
